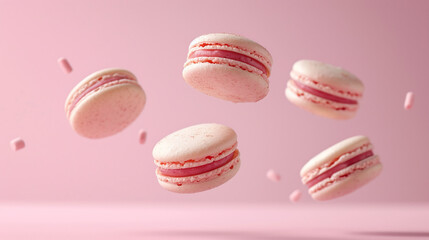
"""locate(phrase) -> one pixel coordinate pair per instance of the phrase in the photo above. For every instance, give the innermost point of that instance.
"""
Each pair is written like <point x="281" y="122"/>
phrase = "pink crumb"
<point x="273" y="176"/>
<point x="295" y="196"/>
<point x="65" y="65"/>
<point x="142" y="136"/>
<point x="409" y="100"/>
<point x="17" y="144"/>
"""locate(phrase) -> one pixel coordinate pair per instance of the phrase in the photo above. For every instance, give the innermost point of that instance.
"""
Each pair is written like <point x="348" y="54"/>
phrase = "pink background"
<point x="211" y="221"/>
<point x="385" y="43"/>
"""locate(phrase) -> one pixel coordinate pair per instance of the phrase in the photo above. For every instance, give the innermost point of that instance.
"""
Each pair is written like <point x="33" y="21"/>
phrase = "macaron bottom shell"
<point x="229" y="171"/>
<point x="108" y="110"/>
<point x="317" y="108"/>
<point x="226" y="82"/>
<point x="348" y="184"/>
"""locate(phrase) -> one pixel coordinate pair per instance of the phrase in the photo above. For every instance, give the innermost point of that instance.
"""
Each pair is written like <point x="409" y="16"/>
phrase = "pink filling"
<point x="95" y="86"/>
<point x="339" y="167"/>
<point x="322" y="94"/>
<point x="185" y="172"/>
<point x="229" y="55"/>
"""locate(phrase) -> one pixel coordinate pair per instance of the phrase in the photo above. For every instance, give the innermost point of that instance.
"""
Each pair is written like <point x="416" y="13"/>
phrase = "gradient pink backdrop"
<point x="385" y="43"/>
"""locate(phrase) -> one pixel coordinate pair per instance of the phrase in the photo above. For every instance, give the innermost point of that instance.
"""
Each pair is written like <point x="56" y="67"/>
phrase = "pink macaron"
<point x="341" y="169"/>
<point x="324" y="89"/>
<point x="104" y="103"/>
<point x="228" y="67"/>
<point x="197" y="158"/>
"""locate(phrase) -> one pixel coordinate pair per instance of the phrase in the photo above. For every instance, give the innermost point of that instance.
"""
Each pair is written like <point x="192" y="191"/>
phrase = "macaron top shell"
<point x="234" y="43"/>
<point x="328" y="74"/>
<point x="333" y="152"/>
<point x="195" y="143"/>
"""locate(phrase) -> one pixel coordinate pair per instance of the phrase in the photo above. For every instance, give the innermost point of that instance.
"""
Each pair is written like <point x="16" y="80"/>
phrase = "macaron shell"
<point x="202" y="185"/>
<point x="348" y="184"/>
<point x="333" y="152"/>
<point x="318" y="108"/>
<point x="235" y="41"/>
<point x="195" y="142"/>
<point x="328" y="74"/>
<point x="225" y="82"/>
<point x="108" y="110"/>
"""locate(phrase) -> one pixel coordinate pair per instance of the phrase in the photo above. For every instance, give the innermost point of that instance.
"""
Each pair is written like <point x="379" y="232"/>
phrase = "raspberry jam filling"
<point x="339" y="167"/>
<point x="101" y="82"/>
<point x="322" y="94"/>
<point x="185" y="172"/>
<point x="229" y="55"/>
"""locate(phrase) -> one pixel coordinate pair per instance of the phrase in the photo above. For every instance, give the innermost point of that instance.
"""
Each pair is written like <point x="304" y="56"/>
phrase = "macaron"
<point x="196" y="158"/>
<point x="324" y="89"/>
<point x="229" y="67"/>
<point x="104" y="103"/>
<point x="341" y="169"/>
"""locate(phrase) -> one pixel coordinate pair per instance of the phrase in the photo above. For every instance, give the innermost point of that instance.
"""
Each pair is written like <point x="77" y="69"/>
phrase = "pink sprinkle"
<point x="142" y="136"/>
<point x="409" y="100"/>
<point x="65" y="65"/>
<point x="273" y="176"/>
<point x="17" y="144"/>
<point x="295" y="196"/>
